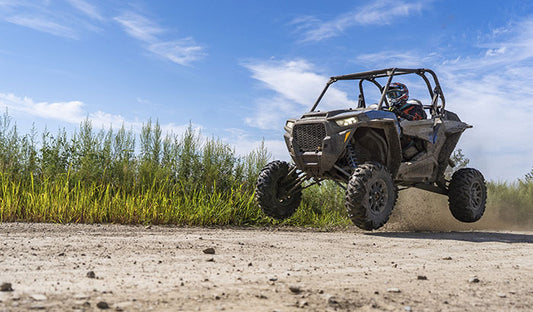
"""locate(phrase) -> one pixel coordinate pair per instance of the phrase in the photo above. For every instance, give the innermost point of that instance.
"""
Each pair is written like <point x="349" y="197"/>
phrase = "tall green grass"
<point x="118" y="176"/>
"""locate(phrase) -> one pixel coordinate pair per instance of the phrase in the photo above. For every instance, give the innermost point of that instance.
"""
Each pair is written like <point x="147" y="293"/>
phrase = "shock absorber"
<point x="351" y="156"/>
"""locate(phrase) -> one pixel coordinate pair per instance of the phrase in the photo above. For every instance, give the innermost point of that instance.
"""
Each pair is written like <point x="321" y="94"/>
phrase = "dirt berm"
<point x="135" y="268"/>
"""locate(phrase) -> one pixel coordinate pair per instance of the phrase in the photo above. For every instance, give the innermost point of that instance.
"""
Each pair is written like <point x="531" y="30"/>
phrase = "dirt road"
<point x="165" y="269"/>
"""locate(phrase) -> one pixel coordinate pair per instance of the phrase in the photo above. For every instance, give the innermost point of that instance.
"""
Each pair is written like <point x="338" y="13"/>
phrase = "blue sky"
<point x="238" y="69"/>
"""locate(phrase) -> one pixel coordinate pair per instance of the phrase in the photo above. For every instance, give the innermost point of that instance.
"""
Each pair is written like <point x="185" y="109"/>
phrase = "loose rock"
<point x="102" y="305"/>
<point x="422" y="278"/>
<point x="473" y="280"/>
<point x="91" y="274"/>
<point x="38" y="297"/>
<point x="393" y="290"/>
<point x="209" y="251"/>
<point x="295" y="289"/>
<point x="332" y="300"/>
<point x="6" y="287"/>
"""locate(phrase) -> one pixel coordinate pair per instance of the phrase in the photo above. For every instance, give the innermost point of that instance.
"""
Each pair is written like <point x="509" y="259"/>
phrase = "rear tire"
<point x="370" y="196"/>
<point x="272" y="186"/>
<point x="467" y="195"/>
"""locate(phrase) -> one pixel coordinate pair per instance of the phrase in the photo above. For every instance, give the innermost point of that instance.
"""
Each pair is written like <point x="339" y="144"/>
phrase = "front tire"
<point x="370" y="196"/>
<point x="467" y="195"/>
<point x="272" y="186"/>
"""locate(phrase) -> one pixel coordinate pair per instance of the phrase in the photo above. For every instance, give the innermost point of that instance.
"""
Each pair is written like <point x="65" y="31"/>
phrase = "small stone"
<point x="209" y="251"/>
<point x="332" y="300"/>
<point x="273" y="279"/>
<point x="422" y="278"/>
<point x="295" y="289"/>
<point x="393" y="290"/>
<point x="250" y="264"/>
<point x="81" y="296"/>
<point x="38" y="297"/>
<point x="210" y="260"/>
<point x="501" y="295"/>
<point x="473" y="280"/>
<point x="102" y="305"/>
<point x="61" y="254"/>
<point x="38" y="307"/>
<point x="302" y="304"/>
<point x="261" y="296"/>
<point x="6" y="287"/>
<point x="91" y="274"/>
<point x="447" y="258"/>
<point x="408" y="308"/>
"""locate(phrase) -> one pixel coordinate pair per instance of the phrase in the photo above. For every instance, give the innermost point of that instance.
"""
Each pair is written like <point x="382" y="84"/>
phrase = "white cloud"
<point x="295" y="87"/>
<point x="381" y="12"/>
<point x="73" y="112"/>
<point x="182" y="51"/>
<point x="139" y="27"/>
<point x="43" y="25"/>
<point x="52" y="17"/>
<point x="86" y="8"/>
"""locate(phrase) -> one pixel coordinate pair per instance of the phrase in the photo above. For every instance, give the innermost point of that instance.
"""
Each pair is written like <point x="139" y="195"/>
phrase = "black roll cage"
<point x="436" y="108"/>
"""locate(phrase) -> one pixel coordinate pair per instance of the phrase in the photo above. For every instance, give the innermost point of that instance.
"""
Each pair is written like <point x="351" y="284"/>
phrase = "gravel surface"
<point x="134" y="268"/>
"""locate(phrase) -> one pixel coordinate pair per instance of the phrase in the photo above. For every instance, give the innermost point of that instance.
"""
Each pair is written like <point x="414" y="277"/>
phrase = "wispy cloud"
<point x="381" y="12"/>
<point x="182" y="51"/>
<point x="87" y="8"/>
<point x="138" y="26"/>
<point x="43" y="25"/>
<point x="295" y="86"/>
<point x="51" y="17"/>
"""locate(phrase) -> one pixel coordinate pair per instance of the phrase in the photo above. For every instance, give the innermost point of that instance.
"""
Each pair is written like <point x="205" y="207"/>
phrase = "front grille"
<point x="308" y="137"/>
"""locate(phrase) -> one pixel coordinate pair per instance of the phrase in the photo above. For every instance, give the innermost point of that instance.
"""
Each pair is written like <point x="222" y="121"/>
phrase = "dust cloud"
<point x="418" y="210"/>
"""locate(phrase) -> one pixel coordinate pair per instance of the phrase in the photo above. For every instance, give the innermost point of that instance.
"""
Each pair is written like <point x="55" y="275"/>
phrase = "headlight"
<point x="346" y="121"/>
<point x="289" y="124"/>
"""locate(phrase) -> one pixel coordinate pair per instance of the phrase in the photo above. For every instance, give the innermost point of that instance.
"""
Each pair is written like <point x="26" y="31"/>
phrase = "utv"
<point x="363" y="150"/>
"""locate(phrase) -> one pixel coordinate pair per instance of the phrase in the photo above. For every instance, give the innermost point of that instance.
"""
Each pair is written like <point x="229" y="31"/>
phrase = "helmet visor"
<point x="394" y="94"/>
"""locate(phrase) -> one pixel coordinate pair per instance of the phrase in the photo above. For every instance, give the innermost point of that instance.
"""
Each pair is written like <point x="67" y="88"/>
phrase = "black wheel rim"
<point x="476" y="197"/>
<point x="377" y="196"/>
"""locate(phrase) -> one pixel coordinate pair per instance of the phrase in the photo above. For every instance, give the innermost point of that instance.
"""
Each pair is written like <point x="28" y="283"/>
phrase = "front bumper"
<point x="315" y="145"/>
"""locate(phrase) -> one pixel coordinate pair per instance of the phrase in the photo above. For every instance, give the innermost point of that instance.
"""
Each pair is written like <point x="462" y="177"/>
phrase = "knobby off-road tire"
<point x="467" y="195"/>
<point x="272" y="186"/>
<point x="370" y="196"/>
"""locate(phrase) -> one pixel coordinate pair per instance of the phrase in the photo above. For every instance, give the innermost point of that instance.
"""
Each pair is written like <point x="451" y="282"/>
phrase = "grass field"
<point x="110" y="176"/>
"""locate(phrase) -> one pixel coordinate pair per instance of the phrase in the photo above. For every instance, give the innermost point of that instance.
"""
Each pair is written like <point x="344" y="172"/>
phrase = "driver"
<point x="398" y="96"/>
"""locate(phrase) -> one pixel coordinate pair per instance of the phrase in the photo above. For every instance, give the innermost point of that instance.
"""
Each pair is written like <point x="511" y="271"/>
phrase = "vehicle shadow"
<point x="475" y="237"/>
